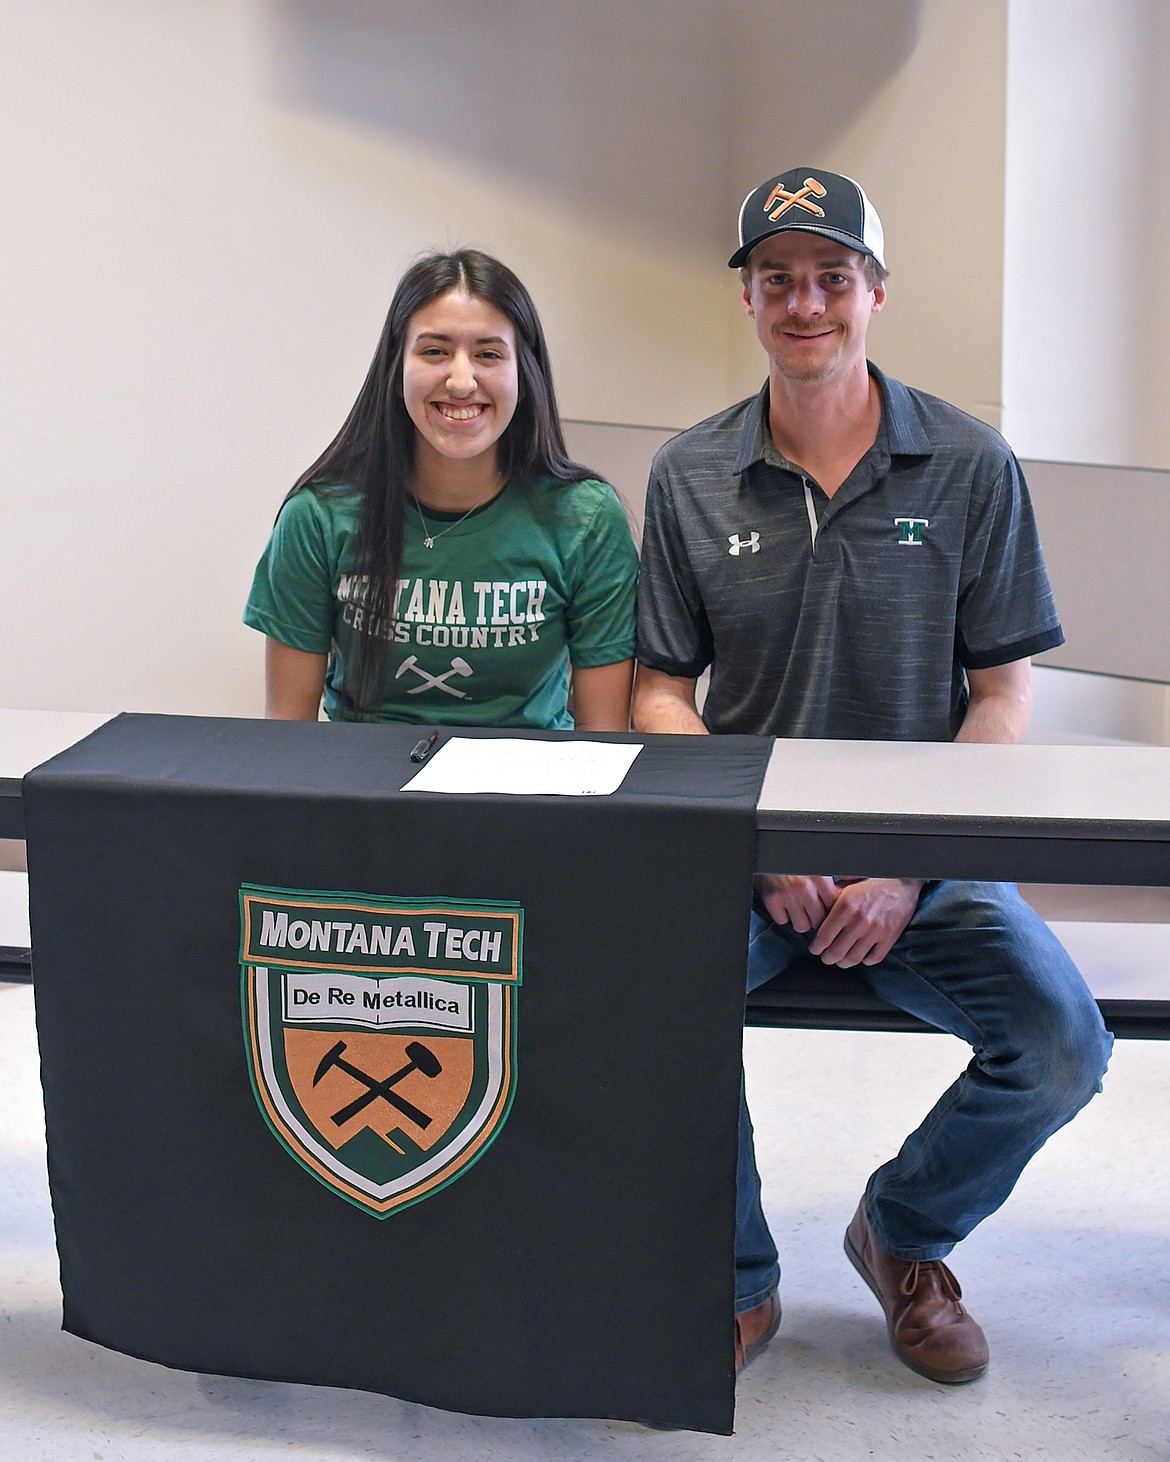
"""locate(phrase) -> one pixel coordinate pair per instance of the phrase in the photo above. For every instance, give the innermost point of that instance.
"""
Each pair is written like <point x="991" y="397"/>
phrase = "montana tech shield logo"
<point x="381" y="1034"/>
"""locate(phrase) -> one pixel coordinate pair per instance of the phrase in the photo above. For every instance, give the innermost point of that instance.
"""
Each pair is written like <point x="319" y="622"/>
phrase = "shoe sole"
<point x="949" y="1378"/>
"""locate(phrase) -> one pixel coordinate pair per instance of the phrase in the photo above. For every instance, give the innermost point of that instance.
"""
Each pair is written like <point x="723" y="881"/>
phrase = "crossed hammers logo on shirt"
<point x="427" y="681"/>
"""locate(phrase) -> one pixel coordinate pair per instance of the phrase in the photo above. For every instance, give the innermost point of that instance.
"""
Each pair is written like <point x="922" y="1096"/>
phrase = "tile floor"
<point x="1071" y="1282"/>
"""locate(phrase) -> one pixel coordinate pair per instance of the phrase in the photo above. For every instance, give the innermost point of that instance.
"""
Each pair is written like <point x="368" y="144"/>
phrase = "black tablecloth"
<point x="520" y="1205"/>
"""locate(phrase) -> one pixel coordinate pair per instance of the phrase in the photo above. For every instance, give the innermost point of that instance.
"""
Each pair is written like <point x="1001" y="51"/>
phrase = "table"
<point x="28" y="738"/>
<point x="1045" y="814"/>
<point x="1036" y="814"/>
<point x="352" y="1085"/>
<point x="1048" y="813"/>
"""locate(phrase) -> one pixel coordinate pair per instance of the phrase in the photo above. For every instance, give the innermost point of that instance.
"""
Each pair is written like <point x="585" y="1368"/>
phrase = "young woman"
<point x="444" y="561"/>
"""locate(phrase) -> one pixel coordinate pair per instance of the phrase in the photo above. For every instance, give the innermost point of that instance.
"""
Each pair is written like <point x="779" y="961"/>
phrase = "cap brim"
<point x="851" y="241"/>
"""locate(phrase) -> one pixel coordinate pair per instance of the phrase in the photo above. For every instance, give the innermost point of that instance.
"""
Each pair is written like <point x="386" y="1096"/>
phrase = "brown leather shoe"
<point x="929" y="1329"/>
<point x="754" y="1328"/>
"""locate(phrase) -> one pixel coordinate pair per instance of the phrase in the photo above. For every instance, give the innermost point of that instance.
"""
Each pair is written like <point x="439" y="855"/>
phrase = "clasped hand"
<point x="855" y="922"/>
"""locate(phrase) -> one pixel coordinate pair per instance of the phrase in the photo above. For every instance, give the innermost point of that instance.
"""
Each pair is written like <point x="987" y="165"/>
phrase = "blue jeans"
<point x="977" y="961"/>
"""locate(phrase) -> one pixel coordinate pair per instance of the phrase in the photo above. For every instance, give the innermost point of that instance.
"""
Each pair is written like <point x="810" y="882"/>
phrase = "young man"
<point x="856" y="559"/>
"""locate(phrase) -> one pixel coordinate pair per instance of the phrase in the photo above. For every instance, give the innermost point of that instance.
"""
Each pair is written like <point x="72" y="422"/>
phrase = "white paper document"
<point x="533" y="768"/>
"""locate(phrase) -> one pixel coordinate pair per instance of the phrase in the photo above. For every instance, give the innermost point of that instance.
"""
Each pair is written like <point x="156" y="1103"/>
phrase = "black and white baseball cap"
<point x="814" y="202"/>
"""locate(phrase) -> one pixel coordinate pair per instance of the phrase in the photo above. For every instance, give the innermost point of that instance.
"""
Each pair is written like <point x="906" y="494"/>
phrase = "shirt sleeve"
<point x="293" y="591"/>
<point x="605" y="585"/>
<point x="674" y="635"/>
<point x="1006" y="611"/>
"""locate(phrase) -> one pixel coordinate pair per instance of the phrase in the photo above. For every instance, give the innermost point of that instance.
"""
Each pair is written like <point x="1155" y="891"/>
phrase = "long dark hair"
<point x="374" y="452"/>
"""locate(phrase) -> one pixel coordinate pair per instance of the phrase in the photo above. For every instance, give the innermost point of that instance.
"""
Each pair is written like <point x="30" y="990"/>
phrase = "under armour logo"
<point x="811" y="189"/>
<point x="738" y="544"/>
<point x="427" y="681"/>
<point x="911" y="529"/>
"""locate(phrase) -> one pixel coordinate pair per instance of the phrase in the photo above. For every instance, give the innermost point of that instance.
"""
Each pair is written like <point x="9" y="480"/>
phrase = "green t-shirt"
<point x="485" y="624"/>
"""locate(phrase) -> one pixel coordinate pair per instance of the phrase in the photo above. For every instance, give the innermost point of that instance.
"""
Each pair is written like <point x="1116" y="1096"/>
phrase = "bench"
<point x="1125" y="965"/>
<point x="15" y="957"/>
<point x="1119" y="960"/>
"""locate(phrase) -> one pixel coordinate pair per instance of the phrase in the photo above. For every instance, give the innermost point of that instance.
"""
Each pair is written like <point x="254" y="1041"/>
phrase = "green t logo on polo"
<point x="380" y="1034"/>
<point x="911" y="529"/>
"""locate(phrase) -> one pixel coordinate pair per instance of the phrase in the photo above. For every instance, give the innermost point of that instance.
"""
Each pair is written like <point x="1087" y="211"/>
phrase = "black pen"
<point x="423" y="749"/>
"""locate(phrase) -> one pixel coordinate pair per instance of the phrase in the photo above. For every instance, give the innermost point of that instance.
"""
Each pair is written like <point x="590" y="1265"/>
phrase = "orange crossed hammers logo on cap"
<point x="811" y="189"/>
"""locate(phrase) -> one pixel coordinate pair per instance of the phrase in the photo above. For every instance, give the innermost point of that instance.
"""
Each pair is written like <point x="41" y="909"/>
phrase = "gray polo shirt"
<point x="847" y="617"/>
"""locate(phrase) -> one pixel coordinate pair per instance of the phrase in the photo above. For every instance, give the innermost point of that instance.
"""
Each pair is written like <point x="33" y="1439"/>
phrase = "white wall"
<point x="205" y="216"/>
<point x="207" y="203"/>
<point x="914" y="109"/>
<point x="1085" y="301"/>
<point x="1098" y="708"/>
<point x="1086" y="314"/>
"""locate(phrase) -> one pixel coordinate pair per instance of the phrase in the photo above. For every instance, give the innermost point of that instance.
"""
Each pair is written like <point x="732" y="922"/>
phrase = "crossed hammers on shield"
<point x="421" y="1059"/>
